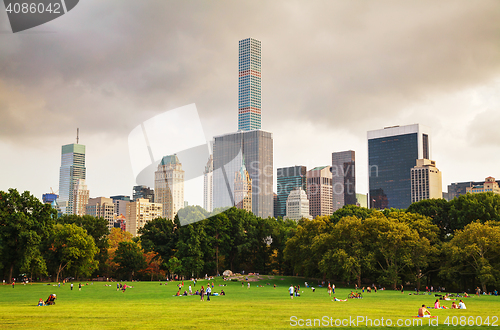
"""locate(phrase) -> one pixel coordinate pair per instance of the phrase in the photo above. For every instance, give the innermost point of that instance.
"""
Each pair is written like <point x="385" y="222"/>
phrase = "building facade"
<point x="143" y="192"/>
<point x="208" y="178"/>
<point x="169" y="186"/>
<point x="120" y="203"/>
<point x="80" y="197"/>
<point x="343" y="179"/>
<point x="297" y="205"/>
<point x="362" y="200"/>
<point x="102" y="207"/>
<point x="140" y="212"/>
<point x="288" y="179"/>
<point x="249" y="85"/>
<point x="256" y="147"/>
<point x="243" y="189"/>
<point x="72" y="169"/>
<point x="456" y="189"/>
<point x="319" y="191"/>
<point x="489" y="185"/>
<point x="426" y="181"/>
<point x="392" y="153"/>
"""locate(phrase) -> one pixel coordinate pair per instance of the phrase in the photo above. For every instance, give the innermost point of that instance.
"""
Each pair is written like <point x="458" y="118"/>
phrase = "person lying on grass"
<point x="337" y="299"/>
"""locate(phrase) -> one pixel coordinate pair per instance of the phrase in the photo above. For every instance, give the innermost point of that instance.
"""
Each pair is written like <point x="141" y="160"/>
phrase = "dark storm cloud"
<point x="107" y="66"/>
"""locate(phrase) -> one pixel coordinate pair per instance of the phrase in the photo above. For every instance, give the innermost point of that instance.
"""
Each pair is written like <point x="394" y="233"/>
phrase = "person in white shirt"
<point x="461" y="305"/>
<point x="290" y="289"/>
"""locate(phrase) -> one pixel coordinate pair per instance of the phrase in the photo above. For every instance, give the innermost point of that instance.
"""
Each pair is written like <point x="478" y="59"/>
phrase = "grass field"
<point x="149" y="305"/>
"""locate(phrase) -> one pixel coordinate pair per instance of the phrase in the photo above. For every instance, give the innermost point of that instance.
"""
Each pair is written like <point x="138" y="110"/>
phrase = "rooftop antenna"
<point x="77" y="133"/>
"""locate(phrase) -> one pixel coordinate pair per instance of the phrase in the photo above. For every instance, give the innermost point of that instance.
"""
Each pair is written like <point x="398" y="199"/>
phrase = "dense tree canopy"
<point x="24" y="225"/>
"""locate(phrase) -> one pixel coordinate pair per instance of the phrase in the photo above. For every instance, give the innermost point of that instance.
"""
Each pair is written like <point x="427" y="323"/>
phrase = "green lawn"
<point x="149" y="305"/>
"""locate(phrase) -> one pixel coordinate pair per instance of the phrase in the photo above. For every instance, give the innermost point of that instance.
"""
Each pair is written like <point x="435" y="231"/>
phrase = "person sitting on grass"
<point x="437" y="305"/>
<point x="40" y="302"/>
<point x="337" y="299"/>
<point x="453" y="305"/>
<point x="461" y="305"/>
<point x="423" y="312"/>
<point x="222" y="293"/>
<point x="51" y="300"/>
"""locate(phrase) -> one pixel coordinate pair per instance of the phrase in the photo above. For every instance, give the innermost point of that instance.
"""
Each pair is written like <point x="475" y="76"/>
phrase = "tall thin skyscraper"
<point x="343" y="179"/>
<point x="392" y="153"/>
<point x="288" y="179"/>
<point x="249" y="142"/>
<point x="169" y="186"/>
<point x="249" y="85"/>
<point x="208" y="185"/>
<point x="72" y="169"/>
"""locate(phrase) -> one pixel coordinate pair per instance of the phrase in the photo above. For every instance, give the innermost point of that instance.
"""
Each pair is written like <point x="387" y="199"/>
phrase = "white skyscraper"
<point x="80" y="197"/>
<point x="208" y="175"/>
<point x="297" y="205"/>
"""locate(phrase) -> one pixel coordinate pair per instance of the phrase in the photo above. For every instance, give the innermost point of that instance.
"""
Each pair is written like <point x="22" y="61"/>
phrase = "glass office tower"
<point x="392" y="153"/>
<point x="255" y="149"/>
<point x="343" y="179"/>
<point x="72" y="169"/>
<point x="288" y="179"/>
<point x="249" y="85"/>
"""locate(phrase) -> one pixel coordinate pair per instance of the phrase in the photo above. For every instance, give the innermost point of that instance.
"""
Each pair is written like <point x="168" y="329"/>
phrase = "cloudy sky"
<point x="331" y="71"/>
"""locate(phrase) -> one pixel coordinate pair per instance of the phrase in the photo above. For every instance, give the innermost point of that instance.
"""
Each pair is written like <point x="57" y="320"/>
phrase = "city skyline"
<point x="334" y="70"/>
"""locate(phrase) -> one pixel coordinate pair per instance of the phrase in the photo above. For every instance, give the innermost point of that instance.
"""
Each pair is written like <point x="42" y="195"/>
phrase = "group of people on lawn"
<point x="424" y="312"/>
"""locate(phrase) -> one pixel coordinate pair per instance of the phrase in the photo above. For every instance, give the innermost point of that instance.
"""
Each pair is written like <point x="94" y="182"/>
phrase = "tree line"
<point x="455" y="244"/>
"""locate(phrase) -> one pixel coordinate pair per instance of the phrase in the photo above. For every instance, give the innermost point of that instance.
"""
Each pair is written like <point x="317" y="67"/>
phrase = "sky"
<point x="331" y="71"/>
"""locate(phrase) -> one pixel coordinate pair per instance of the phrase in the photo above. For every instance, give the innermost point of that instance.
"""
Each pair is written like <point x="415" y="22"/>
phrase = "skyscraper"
<point x="392" y="153"/>
<point x="249" y="142"/>
<point x="140" y="212"/>
<point x="143" y="192"/>
<point x="80" y="197"/>
<point x="72" y="169"/>
<point x="256" y="147"/>
<point x="288" y="179"/>
<point x="102" y="207"/>
<point x="426" y="181"/>
<point x="169" y="186"/>
<point x="343" y="179"/>
<point x="208" y="185"/>
<point x="249" y="85"/>
<point x="297" y="205"/>
<point x="243" y="189"/>
<point x="319" y="191"/>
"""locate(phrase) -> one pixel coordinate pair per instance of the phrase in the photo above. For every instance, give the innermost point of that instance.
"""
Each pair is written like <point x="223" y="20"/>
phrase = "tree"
<point x="114" y="238"/>
<point x="72" y="249"/>
<point x="217" y="229"/>
<point x="468" y="208"/>
<point x="24" y="224"/>
<point x="130" y="258"/>
<point x="350" y="210"/>
<point x="347" y="254"/>
<point x="438" y="210"/>
<point x="160" y="235"/>
<point x="191" y="247"/>
<point x="477" y="248"/>
<point x="95" y="227"/>
<point x="300" y="249"/>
